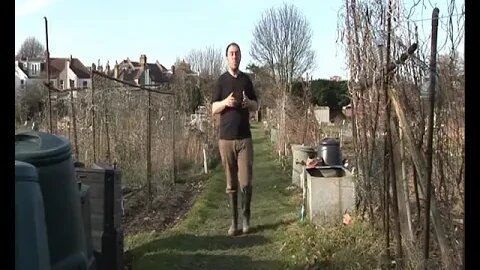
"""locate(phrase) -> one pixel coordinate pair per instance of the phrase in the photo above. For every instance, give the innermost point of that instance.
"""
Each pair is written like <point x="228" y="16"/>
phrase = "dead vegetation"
<point x="145" y="132"/>
<point x="400" y="146"/>
<point x="389" y="62"/>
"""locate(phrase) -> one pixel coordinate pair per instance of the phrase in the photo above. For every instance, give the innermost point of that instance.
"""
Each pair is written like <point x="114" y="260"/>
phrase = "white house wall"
<point x="62" y="77"/>
<point x="19" y="75"/>
<point x="33" y="68"/>
<point x="89" y="82"/>
<point x="322" y="114"/>
<point x="66" y="75"/>
<point x="72" y="76"/>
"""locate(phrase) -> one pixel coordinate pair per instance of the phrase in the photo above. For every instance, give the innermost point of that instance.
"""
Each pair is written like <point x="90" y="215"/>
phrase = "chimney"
<point x="143" y="60"/>
<point x="115" y="70"/>
<point x="107" y="68"/>
<point x="94" y="67"/>
<point x="71" y="58"/>
<point x="66" y="82"/>
<point x="173" y="70"/>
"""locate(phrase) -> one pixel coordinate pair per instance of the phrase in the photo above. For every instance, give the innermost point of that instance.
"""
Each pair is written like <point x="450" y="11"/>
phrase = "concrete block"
<point x="330" y="193"/>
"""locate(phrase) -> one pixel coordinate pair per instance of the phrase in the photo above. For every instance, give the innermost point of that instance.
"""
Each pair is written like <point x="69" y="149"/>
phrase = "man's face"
<point x="233" y="56"/>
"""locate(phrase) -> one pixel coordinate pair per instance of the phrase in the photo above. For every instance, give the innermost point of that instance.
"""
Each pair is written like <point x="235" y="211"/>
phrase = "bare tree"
<point x="282" y="41"/>
<point x="263" y="84"/>
<point x="31" y="48"/>
<point x="208" y="61"/>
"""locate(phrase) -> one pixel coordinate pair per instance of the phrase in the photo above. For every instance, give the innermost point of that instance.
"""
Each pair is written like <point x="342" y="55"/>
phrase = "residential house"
<point x="28" y="72"/>
<point x="322" y="114"/>
<point x="184" y="68"/>
<point x="335" y="78"/>
<point x="65" y="73"/>
<point x="69" y="73"/>
<point x="138" y="73"/>
<point x="21" y="79"/>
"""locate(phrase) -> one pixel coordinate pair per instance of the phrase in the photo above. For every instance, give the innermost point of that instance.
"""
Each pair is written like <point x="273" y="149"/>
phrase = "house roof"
<point x="19" y="71"/>
<point x="132" y="70"/>
<point x="129" y="75"/>
<point x="79" y="69"/>
<point x="40" y="75"/>
<point x="57" y="65"/>
<point x="157" y="72"/>
<point x="35" y="59"/>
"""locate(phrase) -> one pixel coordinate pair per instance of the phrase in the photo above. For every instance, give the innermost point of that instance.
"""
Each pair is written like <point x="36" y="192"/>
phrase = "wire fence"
<point x="138" y="129"/>
<point x="115" y="122"/>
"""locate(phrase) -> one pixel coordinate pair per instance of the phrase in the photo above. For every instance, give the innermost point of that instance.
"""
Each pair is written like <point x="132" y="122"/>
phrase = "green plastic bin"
<point x="52" y="156"/>
<point x="31" y="243"/>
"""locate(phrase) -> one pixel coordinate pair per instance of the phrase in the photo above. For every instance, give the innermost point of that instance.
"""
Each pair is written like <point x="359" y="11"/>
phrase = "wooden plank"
<point x="95" y="179"/>
<point x="97" y="221"/>
<point x="420" y="163"/>
<point x="97" y="240"/>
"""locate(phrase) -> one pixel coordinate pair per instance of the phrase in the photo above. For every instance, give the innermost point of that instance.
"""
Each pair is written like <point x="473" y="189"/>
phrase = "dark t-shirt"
<point x="234" y="122"/>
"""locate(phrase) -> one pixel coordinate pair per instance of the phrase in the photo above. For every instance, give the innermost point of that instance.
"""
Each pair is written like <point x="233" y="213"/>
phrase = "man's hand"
<point x="246" y="101"/>
<point x="229" y="101"/>
<point x="219" y="106"/>
<point x="249" y="104"/>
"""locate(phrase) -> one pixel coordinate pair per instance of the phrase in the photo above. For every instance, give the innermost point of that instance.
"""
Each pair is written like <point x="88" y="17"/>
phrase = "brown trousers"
<point x="237" y="160"/>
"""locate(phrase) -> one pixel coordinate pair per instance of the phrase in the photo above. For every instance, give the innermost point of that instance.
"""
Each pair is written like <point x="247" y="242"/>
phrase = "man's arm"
<point x="252" y="105"/>
<point x="251" y="98"/>
<point x="219" y="103"/>
<point x="218" y="106"/>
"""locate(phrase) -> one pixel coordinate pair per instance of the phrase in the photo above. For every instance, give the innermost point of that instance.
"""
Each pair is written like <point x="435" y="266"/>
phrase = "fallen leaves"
<point x="347" y="219"/>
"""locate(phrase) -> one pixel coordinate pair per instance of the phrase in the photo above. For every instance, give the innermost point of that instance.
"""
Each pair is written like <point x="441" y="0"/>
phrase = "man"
<point x="233" y="98"/>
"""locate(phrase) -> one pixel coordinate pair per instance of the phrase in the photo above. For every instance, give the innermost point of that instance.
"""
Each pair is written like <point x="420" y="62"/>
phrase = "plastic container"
<point x="31" y="241"/>
<point x="52" y="156"/>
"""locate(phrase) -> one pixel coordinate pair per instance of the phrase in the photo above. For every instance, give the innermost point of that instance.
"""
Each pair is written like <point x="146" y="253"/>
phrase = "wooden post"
<point x="93" y="120"/>
<point x="149" y="146"/>
<point x="74" y="125"/>
<point x="420" y="163"/>
<point x="205" y="167"/>
<point x="48" y="79"/>
<point x="433" y="68"/>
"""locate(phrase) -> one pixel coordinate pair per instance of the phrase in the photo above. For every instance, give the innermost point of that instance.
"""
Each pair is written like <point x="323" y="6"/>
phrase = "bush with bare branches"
<point x="388" y="62"/>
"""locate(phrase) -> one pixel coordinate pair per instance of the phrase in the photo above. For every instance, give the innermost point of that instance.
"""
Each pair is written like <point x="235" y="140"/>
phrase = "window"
<point x="72" y="84"/>
<point x="35" y="69"/>
<point x="61" y="84"/>
<point x="84" y="84"/>
<point x="22" y="84"/>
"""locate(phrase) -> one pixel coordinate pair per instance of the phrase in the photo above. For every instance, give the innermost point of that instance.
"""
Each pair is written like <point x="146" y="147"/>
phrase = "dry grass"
<point x="448" y="164"/>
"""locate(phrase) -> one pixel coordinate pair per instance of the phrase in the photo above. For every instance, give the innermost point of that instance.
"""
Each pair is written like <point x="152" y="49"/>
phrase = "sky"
<point x="166" y="30"/>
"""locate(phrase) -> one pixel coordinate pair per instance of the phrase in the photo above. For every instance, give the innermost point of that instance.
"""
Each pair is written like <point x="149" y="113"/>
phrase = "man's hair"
<point x="231" y="44"/>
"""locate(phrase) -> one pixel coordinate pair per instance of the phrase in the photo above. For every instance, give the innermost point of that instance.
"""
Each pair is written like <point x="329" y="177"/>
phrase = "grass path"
<point x="277" y="241"/>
